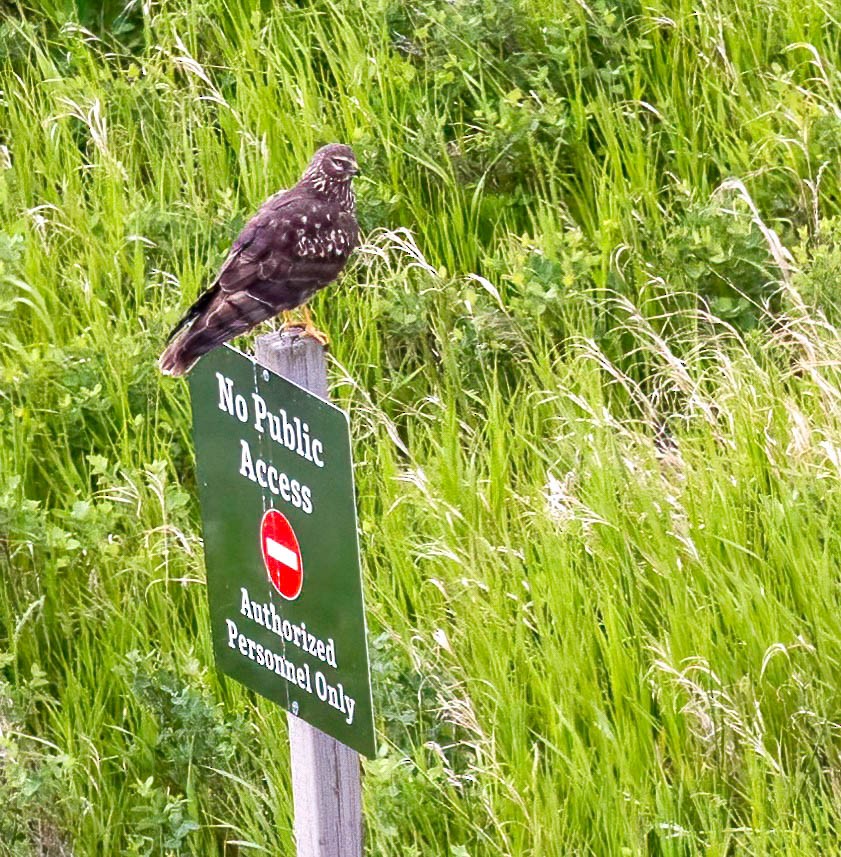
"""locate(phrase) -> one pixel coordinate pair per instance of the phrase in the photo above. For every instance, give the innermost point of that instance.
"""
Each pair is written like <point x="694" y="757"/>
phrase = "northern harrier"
<point x="296" y="244"/>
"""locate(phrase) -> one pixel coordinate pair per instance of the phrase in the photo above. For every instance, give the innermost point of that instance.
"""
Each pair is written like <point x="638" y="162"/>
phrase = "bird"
<point x="297" y="243"/>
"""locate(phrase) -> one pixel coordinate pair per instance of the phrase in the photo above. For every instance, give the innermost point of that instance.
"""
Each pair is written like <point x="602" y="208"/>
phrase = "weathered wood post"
<point x="326" y="779"/>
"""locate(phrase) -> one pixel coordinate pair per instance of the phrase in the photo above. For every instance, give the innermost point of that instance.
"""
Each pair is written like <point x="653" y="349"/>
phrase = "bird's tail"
<point x="179" y="357"/>
<point x="184" y="350"/>
<point x="214" y="318"/>
<point x="207" y="332"/>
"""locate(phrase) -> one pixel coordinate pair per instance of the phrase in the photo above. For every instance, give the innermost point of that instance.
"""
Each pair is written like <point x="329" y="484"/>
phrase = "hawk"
<point x="297" y="243"/>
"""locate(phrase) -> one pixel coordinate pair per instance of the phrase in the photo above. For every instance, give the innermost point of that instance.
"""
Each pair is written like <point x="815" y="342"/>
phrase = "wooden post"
<point x="326" y="779"/>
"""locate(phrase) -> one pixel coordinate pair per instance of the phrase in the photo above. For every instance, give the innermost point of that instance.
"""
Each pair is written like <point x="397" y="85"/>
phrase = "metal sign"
<point x="279" y="518"/>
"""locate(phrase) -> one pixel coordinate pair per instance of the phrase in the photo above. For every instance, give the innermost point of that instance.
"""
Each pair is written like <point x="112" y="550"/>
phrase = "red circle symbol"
<point x="281" y="554"/>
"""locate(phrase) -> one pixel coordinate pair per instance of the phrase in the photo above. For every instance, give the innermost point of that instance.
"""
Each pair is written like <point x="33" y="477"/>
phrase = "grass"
<point x="592" y="366"/>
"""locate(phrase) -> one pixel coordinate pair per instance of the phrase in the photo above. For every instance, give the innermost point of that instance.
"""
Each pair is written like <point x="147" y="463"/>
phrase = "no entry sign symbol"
<point x="281" y="554"/>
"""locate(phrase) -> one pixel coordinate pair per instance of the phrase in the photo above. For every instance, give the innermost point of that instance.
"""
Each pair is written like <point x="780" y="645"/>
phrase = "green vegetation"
<point x="595" y="385"/>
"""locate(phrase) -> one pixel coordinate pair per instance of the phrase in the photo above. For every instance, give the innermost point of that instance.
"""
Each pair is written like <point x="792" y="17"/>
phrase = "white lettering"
<point x="241" y="407"/>
<point x="307" y="441"/>
<point x="259" y="411"/>
<point x="264" y="614"/>
<point x="284" y="430"/>
<point x="257" y="615"/>
<point x="289" y="671"/>
<point x="317" y="449"/>
<point x="306" y="499"/>
<point x="288" y="431"/>
<point x="330" y="653"/>
<point x="297" y="422"/>
<point x="267" y="476"/>
<point x="246" y="467"/>
<point x="245" y="604"/>
<point x="274" y="429"/>
<point x="261" y="473"/>
<point x="226" y="393"/>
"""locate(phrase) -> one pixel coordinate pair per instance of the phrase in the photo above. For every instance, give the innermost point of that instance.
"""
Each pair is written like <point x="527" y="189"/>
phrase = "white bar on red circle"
<point x="281" y="553"/>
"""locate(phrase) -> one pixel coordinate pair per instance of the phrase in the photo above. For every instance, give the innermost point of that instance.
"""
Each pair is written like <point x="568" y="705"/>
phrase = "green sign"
<point x="279" y="517"/>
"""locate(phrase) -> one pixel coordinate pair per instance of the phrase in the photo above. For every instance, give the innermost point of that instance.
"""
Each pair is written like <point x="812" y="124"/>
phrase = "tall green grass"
<point x="591" y="363"/>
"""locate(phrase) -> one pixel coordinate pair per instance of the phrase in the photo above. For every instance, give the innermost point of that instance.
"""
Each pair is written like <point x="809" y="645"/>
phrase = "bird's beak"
<point x="354" y="170"/>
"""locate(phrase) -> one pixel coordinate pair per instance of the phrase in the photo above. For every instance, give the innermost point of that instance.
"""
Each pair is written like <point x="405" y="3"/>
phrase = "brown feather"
<point x="297" y="243"/>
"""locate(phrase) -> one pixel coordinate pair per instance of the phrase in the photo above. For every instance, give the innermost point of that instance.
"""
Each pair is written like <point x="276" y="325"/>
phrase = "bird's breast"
<point x="324" y="240"/>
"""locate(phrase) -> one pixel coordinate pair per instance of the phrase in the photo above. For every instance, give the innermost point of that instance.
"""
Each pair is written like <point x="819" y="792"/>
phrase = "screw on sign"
<point x="281" y="554"/>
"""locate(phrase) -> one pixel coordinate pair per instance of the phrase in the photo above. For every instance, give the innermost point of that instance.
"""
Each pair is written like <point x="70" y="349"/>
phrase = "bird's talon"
<point x="304" y="327"/>
<point x="318" y="335"/>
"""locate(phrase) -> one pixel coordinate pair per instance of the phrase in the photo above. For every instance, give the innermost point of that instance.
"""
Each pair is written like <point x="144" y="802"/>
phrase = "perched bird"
<point x="296" y="244"/>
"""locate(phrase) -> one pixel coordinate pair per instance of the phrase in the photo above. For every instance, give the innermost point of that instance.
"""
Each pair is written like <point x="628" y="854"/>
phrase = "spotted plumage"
<point x="296" y="244"/>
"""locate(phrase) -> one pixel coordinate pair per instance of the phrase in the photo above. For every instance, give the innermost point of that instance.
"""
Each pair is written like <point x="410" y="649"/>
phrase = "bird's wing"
<point x="263" y="246"/>
<point x="257" y="251"/>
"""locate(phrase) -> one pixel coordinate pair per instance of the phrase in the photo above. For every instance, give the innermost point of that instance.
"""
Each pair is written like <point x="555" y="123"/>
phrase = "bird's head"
<point x="337" y="161"/>
<point x="331" y="169"/>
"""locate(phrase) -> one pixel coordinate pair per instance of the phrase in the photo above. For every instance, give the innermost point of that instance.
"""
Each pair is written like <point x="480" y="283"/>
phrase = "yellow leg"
<point x="290" y="319"/>
<point x="311" y="330"/>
